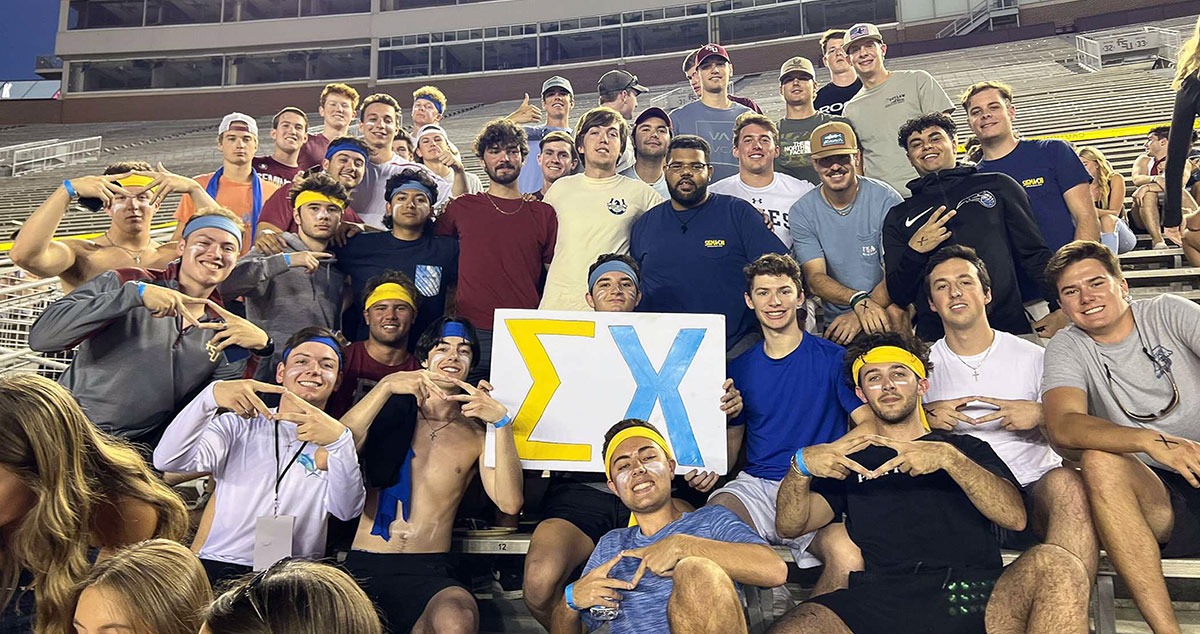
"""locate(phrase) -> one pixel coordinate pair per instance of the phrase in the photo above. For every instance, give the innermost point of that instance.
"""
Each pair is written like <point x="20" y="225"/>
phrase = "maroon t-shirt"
<point x="275" y="172"/>
<point x="502" y="252"/>
<point x="278" y="211"/>
<point x="313" y="151"/>
<point x="746" y="101"/>
<point x="360" y="373"/>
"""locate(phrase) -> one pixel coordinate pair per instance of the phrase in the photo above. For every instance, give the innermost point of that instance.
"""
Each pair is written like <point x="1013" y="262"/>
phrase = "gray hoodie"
<point x="282" y="300"/>
<point x="132" y="371"/>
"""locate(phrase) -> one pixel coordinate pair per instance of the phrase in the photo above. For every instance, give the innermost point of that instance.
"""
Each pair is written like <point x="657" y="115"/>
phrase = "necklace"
<point x="683" y="224"/>
<point x="975" y="368"/>
<point x="433" y="432"/>
<point x="506" y="213"/>
<point x="844" y="211"/>
<point x="136" y="255"/>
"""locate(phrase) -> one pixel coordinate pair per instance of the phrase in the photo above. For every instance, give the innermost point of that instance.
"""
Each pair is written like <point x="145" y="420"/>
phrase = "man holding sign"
<point x="689" y="562"/>
<point x="427" y="432"/>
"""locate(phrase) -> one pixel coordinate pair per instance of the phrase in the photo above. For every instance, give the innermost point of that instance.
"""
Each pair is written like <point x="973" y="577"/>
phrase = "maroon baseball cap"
<point x="709" y="50"/>
<point x="652" y="112"/>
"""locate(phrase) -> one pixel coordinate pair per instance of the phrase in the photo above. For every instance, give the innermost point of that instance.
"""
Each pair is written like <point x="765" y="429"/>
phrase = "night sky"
<point x="26" y="31"/>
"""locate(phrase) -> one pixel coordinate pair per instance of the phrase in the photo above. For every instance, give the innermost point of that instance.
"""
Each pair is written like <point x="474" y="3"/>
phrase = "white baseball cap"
<point x="237" y="117"/>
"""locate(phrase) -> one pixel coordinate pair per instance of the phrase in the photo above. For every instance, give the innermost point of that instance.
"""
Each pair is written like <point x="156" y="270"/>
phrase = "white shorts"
<point x="758" y="496"/>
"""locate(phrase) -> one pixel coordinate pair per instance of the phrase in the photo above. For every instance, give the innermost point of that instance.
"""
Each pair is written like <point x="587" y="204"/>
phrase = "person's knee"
<point x="699" y="573"/>
<point x="1056" y="566"/>
<point x="543" y="578"/>
<point x="1108" y="223"/>
<point x="1101" y="470"/>
<point x="836" y="550"/>
<point x="454" y="611"/>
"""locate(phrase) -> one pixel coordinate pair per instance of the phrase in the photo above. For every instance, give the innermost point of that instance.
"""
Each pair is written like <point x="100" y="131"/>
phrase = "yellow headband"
<point x="390" y="290"/>
<point x="892" y="354"/>
<point x="309" y="196"/>
<point x="135" y="180"/>
<point x="633" y="432"/>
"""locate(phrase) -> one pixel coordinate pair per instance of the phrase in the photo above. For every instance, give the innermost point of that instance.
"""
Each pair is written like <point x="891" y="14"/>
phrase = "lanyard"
<point x="279" y="474"/>
<point x="214" y="184"/>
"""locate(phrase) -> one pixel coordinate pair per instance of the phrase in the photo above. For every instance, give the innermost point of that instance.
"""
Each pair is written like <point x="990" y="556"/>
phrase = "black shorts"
<point x="1185" y="506"/>
<point x="402" y="585"/>
<point x="221" y="573"/>
<point x="1020" y="540"/>
<point x="592" y="511"/>
<point x="935" y="602"/>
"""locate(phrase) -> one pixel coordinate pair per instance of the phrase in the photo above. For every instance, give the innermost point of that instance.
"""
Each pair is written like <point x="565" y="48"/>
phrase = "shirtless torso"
<point x="93" y="257"/>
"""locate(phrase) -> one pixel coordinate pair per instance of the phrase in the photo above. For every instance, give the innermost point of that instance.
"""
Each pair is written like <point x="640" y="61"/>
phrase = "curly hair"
<point x="433" y="335"/>
<point x="773" y="264"/>
<point x="433" y="94"/>
<point x="321" y="183"/>
<point x="501" y="133"/>
<point x="865" y="342"/>
<point x="379" y="97"/>
<point x="72" y="470"/>
<point x="924" y="122"/>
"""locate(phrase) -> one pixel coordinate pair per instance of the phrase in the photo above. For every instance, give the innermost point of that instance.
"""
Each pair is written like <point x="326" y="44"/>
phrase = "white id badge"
<point x="272" y="540"/>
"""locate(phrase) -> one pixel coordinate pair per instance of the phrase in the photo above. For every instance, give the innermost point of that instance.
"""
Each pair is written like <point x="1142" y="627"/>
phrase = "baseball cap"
<point x="1193" y="154"/>
<point x="709" y="50"/>
<point x="652" y="112"/>
<point x="831" y="139"/>
<point x="796" y="65"/>
<point x="860" y="32"/>
<point x="237" y="117"/>
<point x="617" y="80"/>
<point x="557" y="82"/>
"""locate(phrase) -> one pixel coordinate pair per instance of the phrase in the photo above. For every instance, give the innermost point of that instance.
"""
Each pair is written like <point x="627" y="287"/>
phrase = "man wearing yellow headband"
<point x="130" y="194"/>
<point x="923" y="506"/>
<point x="301" y="286"/>
<point x="673" y="571"/>
<point x="390" y="311"/>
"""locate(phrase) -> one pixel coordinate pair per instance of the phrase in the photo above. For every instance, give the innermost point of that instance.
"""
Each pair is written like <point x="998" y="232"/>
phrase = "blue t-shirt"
<point x="699" y="270"/>
<point x="430" y="261"/>
<point x="716" y="127"/>
<point x="800" y="400"/>
<point x="1046" y="169"/>
<point x="530" y="179"/>
<point x="851" y="245"/>
<point x="644" y="609"/>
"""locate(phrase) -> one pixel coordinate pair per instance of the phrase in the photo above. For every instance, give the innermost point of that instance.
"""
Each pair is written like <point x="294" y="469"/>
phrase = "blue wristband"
<point x="287" y="259"/>
<point x="502" y="422"/>
<point x="141" y="288"/>
<point x="569" y="595"/>
<point x="798" y="463"/>
<point x="70" y="189"/>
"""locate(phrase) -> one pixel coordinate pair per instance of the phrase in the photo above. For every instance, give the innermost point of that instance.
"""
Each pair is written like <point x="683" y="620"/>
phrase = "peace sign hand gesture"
<point x="597" y="588"/>
<point x="478" y="403"/>
<point x="312" y="424"/>
<point x="234" y="331"/>
<point x="933" y="232"/>
<point x="102" y="187"/>
<point x="242" y="397"/>
<point x="830" y="460"/>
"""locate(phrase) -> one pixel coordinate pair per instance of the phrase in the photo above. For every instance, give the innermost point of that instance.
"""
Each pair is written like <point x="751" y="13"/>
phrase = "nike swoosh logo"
<point x="908" y="222"/>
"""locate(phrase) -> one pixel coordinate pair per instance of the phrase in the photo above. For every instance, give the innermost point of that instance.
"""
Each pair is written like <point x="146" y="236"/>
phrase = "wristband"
<point x="141" y="288"/>
<point x="70" y="189"/>
<point x="859" y="298"/>
<point x="569" y="595"/>
<point x="503" y="421"/>
<point x="287" y="259"/>
<point x="798" y="463"/>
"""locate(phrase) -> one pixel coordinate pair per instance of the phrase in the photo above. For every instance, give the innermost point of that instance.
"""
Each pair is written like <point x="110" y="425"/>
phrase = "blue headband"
<point x="345" y="147"/>
<point x="455" y="329"/>
<point x="413" y="185"/>
<point x="608" y="267"/>
<point x="432" y="101"/>
<point x="212" y="221"/>
<point x="325" y="340"/>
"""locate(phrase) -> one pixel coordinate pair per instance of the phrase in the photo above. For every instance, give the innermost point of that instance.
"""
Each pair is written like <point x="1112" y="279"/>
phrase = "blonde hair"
<point x="1188" y="62"/>
<point x="297" y="597"/>
<point x="161" y="584"/>
<point x="431" y="92"/>
<point x="1104" y="170"/>
<point x="339" y="89"/>
<point x="1006" y="92"/>
<point x="224" y="213"/>
<point x="71" y="467"/>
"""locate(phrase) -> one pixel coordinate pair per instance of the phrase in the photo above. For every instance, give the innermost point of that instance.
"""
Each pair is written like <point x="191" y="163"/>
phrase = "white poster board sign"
<point x="566" y="377"/>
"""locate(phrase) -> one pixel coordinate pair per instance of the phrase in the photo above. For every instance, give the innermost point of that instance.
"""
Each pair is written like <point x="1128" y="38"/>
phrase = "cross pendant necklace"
<point x="433" y="432"/>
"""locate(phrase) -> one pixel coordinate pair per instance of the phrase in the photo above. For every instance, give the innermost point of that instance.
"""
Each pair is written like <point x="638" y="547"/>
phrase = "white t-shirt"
<point x="774" y="200"/>
<point x="1012" y="370"/>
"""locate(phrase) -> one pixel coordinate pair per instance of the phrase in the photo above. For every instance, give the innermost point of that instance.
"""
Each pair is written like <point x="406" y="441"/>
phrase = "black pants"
<point x="1187" y="108"/>
<point x="220" y="573"/>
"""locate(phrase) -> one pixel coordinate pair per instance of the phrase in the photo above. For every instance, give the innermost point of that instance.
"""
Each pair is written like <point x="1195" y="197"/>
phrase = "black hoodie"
<point x="994" y="218"/>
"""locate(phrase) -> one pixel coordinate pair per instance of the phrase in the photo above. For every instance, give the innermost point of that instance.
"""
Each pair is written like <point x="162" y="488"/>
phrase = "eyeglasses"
<point x="693" y="168"/>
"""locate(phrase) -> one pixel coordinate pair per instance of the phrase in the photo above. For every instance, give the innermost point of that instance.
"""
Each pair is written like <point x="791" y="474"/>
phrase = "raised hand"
<point x="166" y="182"/>
<point x="526" y="113"/>
<point x="308" y="260"/>
<point x="478" y="403"/>
<point x="731" y="400"/>
<point x="242" y="397"/>
<point x="702" y="481"/>
<point x="168" y="302"/>
<point x="945" y="415"/>
<point x="914" y="457"/>
<point x="597" y="588"/>
<point x="102" y="187"/>
<point x="312" y="424"/>
<point x="418" y="383"/>
<point x="1017" y="415"/>
<point x="933" y="232"/>
<point x="831" y="460"/>
<point x="235" y="331"/>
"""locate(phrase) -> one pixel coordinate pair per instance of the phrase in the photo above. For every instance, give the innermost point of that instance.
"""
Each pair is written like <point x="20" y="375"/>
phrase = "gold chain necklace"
<point x="506" y="213"/>
<point x="136" y="255"/>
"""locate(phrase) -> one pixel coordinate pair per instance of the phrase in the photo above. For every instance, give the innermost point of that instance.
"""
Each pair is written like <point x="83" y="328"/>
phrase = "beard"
<point x="899" y="414"/>
<point x="494" y="175"/>
<point x="692" y="198"/>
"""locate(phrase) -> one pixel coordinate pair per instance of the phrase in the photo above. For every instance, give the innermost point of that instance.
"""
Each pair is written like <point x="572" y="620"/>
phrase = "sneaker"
<point x="508" y="583"/>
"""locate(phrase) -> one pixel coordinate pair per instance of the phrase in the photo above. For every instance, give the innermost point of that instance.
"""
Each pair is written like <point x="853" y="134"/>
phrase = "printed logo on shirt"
<point x="1162" y="360"/>
<point x="714" y="244"/>
<point x="833" y="108"/>
<point x="985" y="198"/>
<point x="429" y="278"/>
<point x="797" y="149"/>
<point x="869" y="251"/>
<point x="310" y="467"/>
<point x="908" y="222"/>
<point x="895" y="100"/>
<point x="617" y="206"/>
<point x="1034" y="182"/>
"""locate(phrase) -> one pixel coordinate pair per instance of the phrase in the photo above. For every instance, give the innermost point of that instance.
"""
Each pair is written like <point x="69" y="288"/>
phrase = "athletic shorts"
<point x="589" y="509"/>
<point x="758" y="496"/>
<point x="1025" y="539"/>
<point x="1185" y="506"/>
<point x="944" y="601"/>
<point x="402" y="585"/>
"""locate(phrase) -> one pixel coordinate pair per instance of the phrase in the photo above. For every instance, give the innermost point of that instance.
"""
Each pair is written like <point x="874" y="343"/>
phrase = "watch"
<point x="266" y="350"/>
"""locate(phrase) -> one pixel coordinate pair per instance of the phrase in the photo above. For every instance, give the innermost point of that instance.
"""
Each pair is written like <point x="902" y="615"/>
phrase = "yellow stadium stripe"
<point x="6" y="246"/>
<point x="1098" y="134"/>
